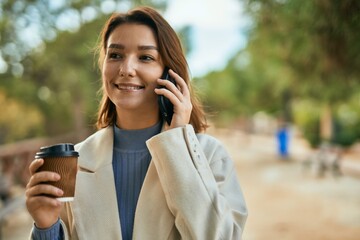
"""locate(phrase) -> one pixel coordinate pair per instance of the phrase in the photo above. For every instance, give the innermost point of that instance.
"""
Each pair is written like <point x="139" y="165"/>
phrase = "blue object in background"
<point x="283" y="142"/>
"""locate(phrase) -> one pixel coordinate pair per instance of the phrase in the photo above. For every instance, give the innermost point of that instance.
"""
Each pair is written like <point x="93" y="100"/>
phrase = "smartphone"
<point x="166" y="107"/>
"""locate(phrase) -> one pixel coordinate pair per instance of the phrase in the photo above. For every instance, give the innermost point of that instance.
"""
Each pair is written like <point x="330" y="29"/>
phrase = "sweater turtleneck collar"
<point x="134" y="140"/>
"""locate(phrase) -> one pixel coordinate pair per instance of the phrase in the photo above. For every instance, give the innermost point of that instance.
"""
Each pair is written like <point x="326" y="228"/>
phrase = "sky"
<point x="218" y="31"/>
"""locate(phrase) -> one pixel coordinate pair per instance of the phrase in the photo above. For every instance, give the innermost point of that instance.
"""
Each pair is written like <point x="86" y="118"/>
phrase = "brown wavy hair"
<point x="171" y="53"/>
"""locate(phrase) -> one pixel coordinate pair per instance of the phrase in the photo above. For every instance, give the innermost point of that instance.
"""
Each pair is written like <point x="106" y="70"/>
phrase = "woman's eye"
<point x="146" y="58"/>
<point x="114" y="56"/>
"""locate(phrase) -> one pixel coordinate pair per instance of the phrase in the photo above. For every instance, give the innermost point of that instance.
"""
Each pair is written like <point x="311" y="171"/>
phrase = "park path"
<point x="285" y="200"/>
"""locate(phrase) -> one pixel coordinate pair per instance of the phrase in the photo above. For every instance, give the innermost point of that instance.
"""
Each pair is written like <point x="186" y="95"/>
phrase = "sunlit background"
<point x="279" y="79"/>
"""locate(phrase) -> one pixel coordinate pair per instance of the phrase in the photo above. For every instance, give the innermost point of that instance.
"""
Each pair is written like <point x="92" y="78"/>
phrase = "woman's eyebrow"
<point x="115" y="45"/>
<point x="141" y="47"/>
<point x="147" y="47"/>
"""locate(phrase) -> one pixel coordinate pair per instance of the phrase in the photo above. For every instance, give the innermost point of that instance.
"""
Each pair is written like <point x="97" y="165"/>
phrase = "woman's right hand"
<point x="40" y="196"/>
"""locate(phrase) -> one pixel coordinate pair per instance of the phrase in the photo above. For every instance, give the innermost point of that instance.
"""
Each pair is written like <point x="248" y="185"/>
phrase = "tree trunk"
<point x="326" y="125"/>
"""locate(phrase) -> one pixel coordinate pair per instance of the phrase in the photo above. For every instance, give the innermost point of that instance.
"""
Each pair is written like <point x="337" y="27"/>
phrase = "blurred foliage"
<point x="347" y="122"/>
<point x="42" y="20"/>
<point x="307" y="116"/>
<point x="312" y="46"/>
<point x="301" y="56"/>
<point x="26" y="119"/>
<point x="48" y="67"/>
<point x="60" y="79"/>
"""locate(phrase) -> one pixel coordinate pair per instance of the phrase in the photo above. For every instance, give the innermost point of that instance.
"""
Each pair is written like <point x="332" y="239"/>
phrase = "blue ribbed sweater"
<point x="131" y="159"/>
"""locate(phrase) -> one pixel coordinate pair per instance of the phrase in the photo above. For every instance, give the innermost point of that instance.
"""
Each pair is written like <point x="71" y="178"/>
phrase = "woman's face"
<point x="131" y="68"/>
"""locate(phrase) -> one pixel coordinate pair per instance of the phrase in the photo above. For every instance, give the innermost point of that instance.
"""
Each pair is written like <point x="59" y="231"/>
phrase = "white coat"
<point x="190" y="191"/>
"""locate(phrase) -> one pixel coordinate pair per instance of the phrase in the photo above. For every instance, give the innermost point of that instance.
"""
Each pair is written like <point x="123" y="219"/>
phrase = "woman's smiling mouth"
<point x="128" y="87"/>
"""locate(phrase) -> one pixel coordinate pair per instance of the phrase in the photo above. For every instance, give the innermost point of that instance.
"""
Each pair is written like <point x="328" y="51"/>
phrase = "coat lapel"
<point x="153" y="219"/>
<point x="95" y="205"/>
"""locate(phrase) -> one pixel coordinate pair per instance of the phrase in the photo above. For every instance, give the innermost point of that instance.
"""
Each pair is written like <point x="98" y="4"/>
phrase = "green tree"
<point x="57" y="79"/>
<point x="61" y="79"/>
<point x="312" y="46"/>
<point x="26" y="118"/>
<point x="42" y="20"/>
<point x="299" y="54"/>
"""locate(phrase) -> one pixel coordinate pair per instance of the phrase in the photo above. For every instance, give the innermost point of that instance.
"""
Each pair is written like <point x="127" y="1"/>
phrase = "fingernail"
<point x="60" y="192"/>
<point x="58" y="203"/>
<point x="56" y="176"/>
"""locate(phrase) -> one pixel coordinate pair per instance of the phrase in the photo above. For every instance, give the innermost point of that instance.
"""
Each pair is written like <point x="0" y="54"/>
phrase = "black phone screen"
<point x="166" y="107"/>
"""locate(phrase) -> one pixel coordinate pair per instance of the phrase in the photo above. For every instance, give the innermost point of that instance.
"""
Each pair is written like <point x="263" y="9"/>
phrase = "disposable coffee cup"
<point x="62" y="159"/>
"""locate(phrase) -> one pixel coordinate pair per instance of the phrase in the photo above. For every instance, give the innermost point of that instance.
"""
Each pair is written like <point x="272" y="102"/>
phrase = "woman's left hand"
<point x="179" y="96"/>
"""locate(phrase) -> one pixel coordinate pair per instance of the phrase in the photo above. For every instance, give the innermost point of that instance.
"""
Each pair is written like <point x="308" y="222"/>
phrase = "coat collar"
<point x="97" y="150"/>
<point x="95" y="206"/>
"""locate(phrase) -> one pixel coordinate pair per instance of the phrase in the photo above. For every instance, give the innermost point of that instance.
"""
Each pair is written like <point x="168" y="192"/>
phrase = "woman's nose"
<point x="127" y="68"/>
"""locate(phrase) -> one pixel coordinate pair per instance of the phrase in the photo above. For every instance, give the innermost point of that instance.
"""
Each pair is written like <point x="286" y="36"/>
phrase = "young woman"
<point x="140" y="177"/>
